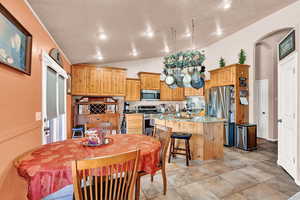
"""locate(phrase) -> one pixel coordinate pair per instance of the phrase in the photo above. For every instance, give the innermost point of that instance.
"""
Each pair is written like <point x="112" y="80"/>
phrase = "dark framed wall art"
<point x="288" y="45"/>
<point x="15" y="43"/>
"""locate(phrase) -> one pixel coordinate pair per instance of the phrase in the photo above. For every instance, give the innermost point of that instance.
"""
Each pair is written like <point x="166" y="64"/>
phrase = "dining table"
<point x="47" y="168"/>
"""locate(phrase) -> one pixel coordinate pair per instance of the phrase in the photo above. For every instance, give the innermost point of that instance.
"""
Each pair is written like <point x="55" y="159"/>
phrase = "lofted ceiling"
<point x="103" y="31"/>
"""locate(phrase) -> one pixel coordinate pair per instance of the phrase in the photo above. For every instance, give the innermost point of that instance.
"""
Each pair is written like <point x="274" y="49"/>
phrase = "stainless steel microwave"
<point x="150" y="95"/>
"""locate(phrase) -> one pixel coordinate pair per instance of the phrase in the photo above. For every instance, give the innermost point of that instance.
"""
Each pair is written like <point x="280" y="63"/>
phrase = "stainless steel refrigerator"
<point x="220" y="103"/>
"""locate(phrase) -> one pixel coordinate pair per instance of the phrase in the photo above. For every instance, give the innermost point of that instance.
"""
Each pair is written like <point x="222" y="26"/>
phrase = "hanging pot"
<point x="187" y="80"/>
<point x="163" y="75"/>
<point x="170" y="80"/>
<point x="198" y="84"/>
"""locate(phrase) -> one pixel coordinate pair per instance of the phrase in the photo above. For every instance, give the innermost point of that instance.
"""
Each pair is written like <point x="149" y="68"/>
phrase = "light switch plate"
<point x="38" y="116"/>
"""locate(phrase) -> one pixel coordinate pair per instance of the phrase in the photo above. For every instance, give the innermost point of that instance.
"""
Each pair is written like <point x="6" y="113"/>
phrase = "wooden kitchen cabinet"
<point x="149" y="81"/>
<point x="113" y="82"/>
<point x="169" y="94"/>
<point x="178" y="94"/>
<point x="93" y="83"/>
<point x="133" y="89"/>
<point x="134" y="123"/>
<point x="88" y="80"/>
<point x="193" y="92"/>
<point x="223" y="76"/>
<point x="79" y="86"/>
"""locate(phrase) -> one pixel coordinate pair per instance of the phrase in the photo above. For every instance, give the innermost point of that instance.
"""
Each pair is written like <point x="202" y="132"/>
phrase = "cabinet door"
<point x="134" y="123"/>
<point x="150" y="81"/>
<point x="119" y="83"/>
<point x="107" y="82"/>
<point x="79" y="80"/>
<point x="178" y="94"/>
<point x="193" y="92"/>
<point x="133" y="88"/>
<point x="93" y="77"/>
<point x="165" y="92"/>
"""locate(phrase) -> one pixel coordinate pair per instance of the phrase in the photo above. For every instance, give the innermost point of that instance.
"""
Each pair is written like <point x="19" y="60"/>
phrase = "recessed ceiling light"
<point x="103" y="36"/>
<point x="149" y="34"/>
<point x="227" y="4"/>
<point x="100" y="57"/>
<point x="167" y="49"/>
<point x="134" y="52"/>
<point x="219" y="32"/>
<point x="187" y="34"/>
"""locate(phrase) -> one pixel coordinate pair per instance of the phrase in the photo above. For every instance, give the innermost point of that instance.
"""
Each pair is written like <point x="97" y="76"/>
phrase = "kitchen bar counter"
<point x="207" y="140"/>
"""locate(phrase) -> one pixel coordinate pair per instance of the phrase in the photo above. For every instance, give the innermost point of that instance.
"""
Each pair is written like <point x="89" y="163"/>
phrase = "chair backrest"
<point x="104" y="126"/>
<point x="163" y="134"/>
<point x="106" y="178"/>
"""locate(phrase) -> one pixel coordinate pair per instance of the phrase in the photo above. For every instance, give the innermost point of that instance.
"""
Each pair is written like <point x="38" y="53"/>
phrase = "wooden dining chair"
<point x="163" y="134"/>
<point x="106" y="178"/>
<point x="104" y="126"/>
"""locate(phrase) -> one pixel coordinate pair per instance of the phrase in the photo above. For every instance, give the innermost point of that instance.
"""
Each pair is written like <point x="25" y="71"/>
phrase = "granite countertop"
<point x="199" y="119"/>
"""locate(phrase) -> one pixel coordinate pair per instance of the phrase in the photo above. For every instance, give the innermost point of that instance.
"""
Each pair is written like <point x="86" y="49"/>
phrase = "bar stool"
<point x="173" y="150"/>
<point x="75" y="132"/>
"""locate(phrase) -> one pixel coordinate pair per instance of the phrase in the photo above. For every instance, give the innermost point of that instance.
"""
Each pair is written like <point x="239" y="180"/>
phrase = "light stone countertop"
<point x="197" y="119"/>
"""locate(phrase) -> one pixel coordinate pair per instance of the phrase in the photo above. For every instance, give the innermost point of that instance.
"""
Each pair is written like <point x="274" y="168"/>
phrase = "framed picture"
<point x="287" y="46"/>
<point x="15" y="43"/>
<point x="69" y="84"/>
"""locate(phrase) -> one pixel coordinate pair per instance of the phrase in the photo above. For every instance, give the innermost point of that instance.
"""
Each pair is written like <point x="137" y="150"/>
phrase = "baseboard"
<point x="271" y="139"/>
<point x="297" y="181"/>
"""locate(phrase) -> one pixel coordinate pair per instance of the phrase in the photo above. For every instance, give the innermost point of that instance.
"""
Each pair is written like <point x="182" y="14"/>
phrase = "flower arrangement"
<point x="191" y="58"/>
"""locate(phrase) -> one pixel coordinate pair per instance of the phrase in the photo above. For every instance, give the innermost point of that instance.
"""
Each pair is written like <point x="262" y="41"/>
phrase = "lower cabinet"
<point x="134" y="123"/>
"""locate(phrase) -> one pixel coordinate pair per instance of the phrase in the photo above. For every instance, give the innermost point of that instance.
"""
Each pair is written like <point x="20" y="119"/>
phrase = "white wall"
<point x="142" y="65"/>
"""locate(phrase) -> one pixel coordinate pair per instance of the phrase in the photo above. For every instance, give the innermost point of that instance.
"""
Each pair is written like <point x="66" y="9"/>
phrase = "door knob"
<point x="279" y="120"/>
<point x="263" y="113"/>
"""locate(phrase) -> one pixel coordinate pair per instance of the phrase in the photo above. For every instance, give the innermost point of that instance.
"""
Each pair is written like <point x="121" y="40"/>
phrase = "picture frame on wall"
<point x="287" y="45"/>
<point x="69" y="84"/>
<point x="15" y="43"/>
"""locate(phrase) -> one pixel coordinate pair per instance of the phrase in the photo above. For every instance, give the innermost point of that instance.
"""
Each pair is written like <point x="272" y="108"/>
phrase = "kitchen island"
<point x="207" y="134"/>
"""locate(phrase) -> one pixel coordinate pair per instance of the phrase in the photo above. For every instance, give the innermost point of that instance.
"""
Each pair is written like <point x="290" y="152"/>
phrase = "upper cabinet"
<point x="169" y="94"/>
<point x="79" y="79"/>
<point x="224" y="76"/>
<point x="193" y="92"/>
<point x="90" y="80"/>
<point x="133" y="90"/>
<point x="149" y="81"/>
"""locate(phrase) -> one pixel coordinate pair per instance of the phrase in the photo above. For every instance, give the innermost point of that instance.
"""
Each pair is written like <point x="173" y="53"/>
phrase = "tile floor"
<point x="239" y="176"/>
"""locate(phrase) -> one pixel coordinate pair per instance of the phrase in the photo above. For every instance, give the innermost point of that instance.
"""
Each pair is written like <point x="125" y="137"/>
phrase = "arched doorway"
<point x="265" y="84"/>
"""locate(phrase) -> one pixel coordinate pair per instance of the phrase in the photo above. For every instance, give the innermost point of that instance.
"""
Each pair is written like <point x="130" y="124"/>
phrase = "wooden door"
<point x="287" y="114"/>
<point x="262" y="108"/>
<point x="79" y="80"/>
<point x="193" y="92"/>
<point x="134" y="123"/>
<point x="118" y="82"/>
<point x="178" y="94"/>
<point x="93" y="77"/>
<point x="150" y="81"/>
<point x="165" y="92"/>
<point x="107" y="82"/>
<point x="133" y="90"/>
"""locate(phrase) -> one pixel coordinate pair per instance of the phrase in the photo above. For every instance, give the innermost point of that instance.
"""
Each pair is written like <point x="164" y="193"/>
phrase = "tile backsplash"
<point x="134" y="104"/>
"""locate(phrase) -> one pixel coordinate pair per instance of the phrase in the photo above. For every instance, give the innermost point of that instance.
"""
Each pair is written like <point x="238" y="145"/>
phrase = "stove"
<point x="147" y="111"/>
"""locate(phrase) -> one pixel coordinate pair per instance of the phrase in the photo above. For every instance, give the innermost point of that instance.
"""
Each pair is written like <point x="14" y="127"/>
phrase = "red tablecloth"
<point x="48" y="168"/>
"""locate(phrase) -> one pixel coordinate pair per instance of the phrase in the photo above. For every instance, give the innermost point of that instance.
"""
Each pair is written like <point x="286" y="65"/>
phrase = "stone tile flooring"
<point x="239" y="176"/>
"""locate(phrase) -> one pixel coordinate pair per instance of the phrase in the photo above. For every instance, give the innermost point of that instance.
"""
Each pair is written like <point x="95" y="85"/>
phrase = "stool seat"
<point x="178" y="135"/>
<point x="77" y="129"/>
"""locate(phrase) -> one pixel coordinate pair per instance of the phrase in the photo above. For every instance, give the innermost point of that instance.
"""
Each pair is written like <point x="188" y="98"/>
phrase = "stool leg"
<point x="186" y="153"/>
<point x="189" y="150"/>
<point x="171" y="149"/>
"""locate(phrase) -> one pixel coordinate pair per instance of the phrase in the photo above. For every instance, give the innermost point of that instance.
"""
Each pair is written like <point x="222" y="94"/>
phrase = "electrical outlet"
<point x="38" y="116"/>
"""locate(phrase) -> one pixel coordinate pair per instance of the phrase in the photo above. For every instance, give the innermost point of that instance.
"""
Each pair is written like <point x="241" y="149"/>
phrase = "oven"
<point x="150" y="95"/>
<point x="148" y="124"/>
